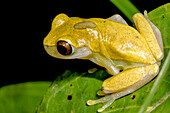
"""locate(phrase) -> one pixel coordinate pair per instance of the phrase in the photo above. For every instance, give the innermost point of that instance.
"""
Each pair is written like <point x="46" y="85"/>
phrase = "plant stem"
<point x="126" y="7"/>
<point x="156" y="84"/>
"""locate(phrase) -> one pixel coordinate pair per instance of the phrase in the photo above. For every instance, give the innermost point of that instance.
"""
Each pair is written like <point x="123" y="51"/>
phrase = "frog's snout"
<point x="47" y="48"/>
<point x="51" y="50"/>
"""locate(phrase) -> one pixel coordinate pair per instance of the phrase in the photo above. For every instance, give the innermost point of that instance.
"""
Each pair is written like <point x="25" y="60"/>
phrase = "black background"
<point x="26" y="25"/>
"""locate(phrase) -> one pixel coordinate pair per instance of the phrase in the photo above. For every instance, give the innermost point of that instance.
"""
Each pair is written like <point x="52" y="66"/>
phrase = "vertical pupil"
<point x="64" y="47"/>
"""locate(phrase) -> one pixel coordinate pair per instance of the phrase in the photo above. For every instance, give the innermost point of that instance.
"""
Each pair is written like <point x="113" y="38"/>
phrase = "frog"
<point x="131" y="56"/>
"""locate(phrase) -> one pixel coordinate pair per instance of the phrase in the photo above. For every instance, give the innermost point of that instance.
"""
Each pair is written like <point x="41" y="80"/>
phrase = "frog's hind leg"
<point x="124" y="83"/>
<point x="117" y="18"/>
<point x="151" y="34"/>
<point x="155" y="30"/>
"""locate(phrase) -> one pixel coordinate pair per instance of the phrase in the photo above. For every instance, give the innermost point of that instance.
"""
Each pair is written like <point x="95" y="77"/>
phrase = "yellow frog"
<point x="131" y="56"/>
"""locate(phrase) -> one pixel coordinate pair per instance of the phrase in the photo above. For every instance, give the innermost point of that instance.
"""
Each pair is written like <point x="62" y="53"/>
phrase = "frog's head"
<point x="61" y="41"/>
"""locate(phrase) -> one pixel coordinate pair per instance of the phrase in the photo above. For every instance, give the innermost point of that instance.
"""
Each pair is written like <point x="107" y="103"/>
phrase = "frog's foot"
<point x="124" y="83"/>
<point x="107" y="101"/>
<point x="109" y="98"/>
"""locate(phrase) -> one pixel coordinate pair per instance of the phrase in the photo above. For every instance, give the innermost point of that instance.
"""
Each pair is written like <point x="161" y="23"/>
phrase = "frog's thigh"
<point x="147" y="32"/>
<point x="155" y="30"/>
<point x="130" y="79"/>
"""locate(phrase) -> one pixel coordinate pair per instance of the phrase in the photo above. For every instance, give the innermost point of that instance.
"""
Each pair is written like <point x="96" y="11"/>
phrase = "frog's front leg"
<point x="124" y="83"/>
<point x="104" y="61"/>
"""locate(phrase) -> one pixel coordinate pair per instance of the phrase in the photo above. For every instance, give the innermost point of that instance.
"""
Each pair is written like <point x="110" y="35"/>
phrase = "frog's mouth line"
<point x="82" y="52"/>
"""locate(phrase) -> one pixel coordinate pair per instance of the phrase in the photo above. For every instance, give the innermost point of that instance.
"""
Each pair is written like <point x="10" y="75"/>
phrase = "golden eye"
<point x="64" y="48"/>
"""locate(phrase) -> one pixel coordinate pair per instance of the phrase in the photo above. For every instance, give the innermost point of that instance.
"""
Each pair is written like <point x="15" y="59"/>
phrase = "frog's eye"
<point x="64" y="48"/>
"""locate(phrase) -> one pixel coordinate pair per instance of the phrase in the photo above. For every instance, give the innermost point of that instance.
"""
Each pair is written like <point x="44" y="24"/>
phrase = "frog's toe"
<point x="102" y="93"/>
<point x="107" y="104"/>
<point x="93" y="102"/>
<point x="107" y="100"/>
<point x="92" y="70"/>
<point x="90" y="102"/>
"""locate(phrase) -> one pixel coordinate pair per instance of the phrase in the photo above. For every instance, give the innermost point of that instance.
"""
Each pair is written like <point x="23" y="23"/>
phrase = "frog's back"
<point x="115" y="40"/>
<point x="122" y="42"/>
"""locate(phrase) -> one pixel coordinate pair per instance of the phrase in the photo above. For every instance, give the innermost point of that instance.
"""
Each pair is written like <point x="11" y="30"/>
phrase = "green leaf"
<point x="126" y="7"/>
<point x="160" y="17"/>
<point x="155" y="88"/>
<point x="22" y="98"/>
<point x="70" y="92"/>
